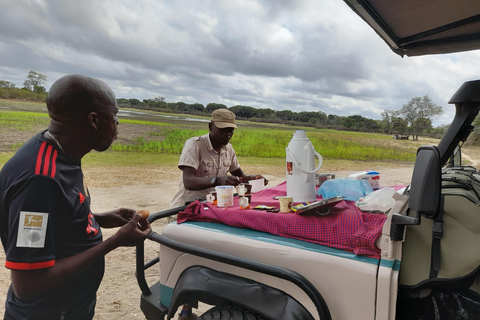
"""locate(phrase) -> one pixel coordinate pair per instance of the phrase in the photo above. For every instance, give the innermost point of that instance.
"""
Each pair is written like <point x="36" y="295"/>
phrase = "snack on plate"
<point x="144" y="214"/>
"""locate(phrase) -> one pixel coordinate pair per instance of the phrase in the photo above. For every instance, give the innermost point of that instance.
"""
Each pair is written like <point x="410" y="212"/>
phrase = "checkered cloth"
<point x="345" y="227"/>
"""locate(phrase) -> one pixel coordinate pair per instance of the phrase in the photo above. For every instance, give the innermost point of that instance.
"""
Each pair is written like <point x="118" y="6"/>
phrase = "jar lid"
<point x="224" y="187"/>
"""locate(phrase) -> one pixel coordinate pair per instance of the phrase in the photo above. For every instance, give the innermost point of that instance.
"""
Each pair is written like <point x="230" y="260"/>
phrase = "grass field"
<point x="152" y="138"/>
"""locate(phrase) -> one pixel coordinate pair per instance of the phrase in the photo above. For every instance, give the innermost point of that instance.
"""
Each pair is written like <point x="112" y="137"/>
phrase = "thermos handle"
<point x="320" y="160"/>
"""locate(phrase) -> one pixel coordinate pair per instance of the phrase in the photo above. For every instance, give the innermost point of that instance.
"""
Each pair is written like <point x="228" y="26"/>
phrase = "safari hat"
<point x="224" y="118"/>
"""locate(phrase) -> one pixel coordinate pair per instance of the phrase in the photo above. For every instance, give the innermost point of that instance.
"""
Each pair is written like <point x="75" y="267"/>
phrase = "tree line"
<point x="33" y="88"/>
<point x="413" y="119"/>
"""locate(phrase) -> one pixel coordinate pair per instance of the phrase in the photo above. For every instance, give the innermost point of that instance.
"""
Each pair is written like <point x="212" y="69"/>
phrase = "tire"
<point x="230" y="312"/>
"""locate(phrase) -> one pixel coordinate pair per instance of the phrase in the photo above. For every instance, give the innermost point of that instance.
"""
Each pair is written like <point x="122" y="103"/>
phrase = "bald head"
<point x="83" y="114"/>
<point x="75" y="95"/>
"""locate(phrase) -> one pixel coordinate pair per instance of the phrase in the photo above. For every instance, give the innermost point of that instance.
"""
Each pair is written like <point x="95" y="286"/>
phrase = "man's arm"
<point x="29" y="284"/>
<point x="192" y="182"/>
<point x="245" y="178"/>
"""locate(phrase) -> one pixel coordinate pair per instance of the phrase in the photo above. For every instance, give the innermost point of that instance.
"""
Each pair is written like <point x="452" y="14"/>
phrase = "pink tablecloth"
<point x="345" y="227"/>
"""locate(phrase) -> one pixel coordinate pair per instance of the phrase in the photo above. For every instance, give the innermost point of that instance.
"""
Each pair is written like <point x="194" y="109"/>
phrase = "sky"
<point x="301" y="55"/>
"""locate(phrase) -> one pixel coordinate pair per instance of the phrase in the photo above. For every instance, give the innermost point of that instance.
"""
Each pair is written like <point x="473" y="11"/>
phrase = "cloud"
<point x="296" y="55"/>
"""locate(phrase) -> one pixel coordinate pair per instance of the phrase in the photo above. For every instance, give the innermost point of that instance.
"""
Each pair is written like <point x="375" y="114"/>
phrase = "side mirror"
<point x="425" y="190"/>
<point x="426" y="186"/>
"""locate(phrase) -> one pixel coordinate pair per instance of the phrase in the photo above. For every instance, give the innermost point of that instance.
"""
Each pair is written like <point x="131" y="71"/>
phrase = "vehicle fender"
<point x="215" y="288"/>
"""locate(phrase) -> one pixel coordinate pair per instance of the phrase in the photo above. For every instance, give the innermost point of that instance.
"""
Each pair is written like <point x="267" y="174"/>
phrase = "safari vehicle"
<point x="428" y="241"/>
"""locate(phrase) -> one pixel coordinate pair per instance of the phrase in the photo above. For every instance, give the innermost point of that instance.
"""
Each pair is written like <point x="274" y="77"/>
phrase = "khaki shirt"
<point x="198" y="153"/>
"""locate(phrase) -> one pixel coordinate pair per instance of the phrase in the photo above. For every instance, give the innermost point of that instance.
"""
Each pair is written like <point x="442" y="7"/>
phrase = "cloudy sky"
<point x="302" y="55"/>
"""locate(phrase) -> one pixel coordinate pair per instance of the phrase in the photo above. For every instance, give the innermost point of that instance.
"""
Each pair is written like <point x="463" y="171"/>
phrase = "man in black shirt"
<point x="52" y="240"/>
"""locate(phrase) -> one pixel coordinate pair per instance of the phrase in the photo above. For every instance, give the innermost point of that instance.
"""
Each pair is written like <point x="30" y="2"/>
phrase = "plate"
<point x="321" y="207"/>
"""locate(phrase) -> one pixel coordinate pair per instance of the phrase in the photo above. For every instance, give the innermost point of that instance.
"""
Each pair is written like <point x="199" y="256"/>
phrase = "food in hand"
<point x="144" y="214"/>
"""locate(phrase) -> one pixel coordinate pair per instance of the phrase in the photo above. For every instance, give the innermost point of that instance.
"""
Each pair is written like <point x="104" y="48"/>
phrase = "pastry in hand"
<point x="144" y="214"/>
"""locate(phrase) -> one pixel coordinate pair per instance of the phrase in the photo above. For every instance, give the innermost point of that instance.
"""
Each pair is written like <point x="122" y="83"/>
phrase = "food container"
<point x="225" y="196"/>
<point x="373" y="177"/>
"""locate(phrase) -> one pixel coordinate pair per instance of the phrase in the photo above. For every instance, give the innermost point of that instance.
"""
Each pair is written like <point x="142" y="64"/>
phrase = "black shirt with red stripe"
<point x="45" y="216"/>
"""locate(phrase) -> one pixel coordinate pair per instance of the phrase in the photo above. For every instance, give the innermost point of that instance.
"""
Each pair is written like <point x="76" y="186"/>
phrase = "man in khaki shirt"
<point x="206" y="161"/>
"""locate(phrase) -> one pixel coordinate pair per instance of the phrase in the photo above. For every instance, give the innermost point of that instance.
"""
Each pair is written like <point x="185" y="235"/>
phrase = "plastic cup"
<point x="245" y="201"/>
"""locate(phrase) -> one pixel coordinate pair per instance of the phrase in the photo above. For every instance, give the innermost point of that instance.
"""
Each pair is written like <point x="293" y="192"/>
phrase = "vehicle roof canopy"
<point x="421" y="27"/>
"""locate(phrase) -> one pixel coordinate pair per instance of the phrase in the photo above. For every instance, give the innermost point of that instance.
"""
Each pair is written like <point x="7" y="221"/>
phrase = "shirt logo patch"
<point x="32" y="228"/>
<point x="33" y="220"/>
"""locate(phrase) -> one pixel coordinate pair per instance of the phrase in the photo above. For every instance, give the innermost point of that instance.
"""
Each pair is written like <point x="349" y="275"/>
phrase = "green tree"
<point x="285" y="115"/>
<point x="387" y="121"/>
<point x="335" y="121"/>
<point x="244" y="112"/>
<point x="6" y="84"/>
<point x="263" y="113"/>
<point x="158" y="99"/>
<point x="418" y="112"/>
<point x="134" y="102"/>
<point x="179" y="107"/>
<point x="423" y="124"/>
<point x="399" y="125"/>
<point x="197" y="108"/>
<point x="214" y="106"/>
<point x="312" y="117"/>
<point x="392" y="123"/>
<point x="35" y="82"/>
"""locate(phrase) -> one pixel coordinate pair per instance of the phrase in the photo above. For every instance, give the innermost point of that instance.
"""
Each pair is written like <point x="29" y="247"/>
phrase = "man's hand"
<point x="255" y="177"/>
<point x="114" y="218"/>
<point x="133" y="233"/>
<point x="228" y="180"/>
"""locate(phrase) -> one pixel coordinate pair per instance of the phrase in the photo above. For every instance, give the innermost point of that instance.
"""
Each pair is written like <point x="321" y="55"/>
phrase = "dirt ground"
<point x="152" y="189"/>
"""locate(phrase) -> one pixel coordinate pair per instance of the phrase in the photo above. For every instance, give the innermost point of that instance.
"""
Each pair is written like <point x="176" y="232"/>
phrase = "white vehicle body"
<point x="344" y="277"/>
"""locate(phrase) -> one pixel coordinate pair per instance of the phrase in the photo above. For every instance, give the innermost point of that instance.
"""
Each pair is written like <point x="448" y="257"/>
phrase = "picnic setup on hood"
<point x="305" y="205"/>
<point x="305" y="190"/>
